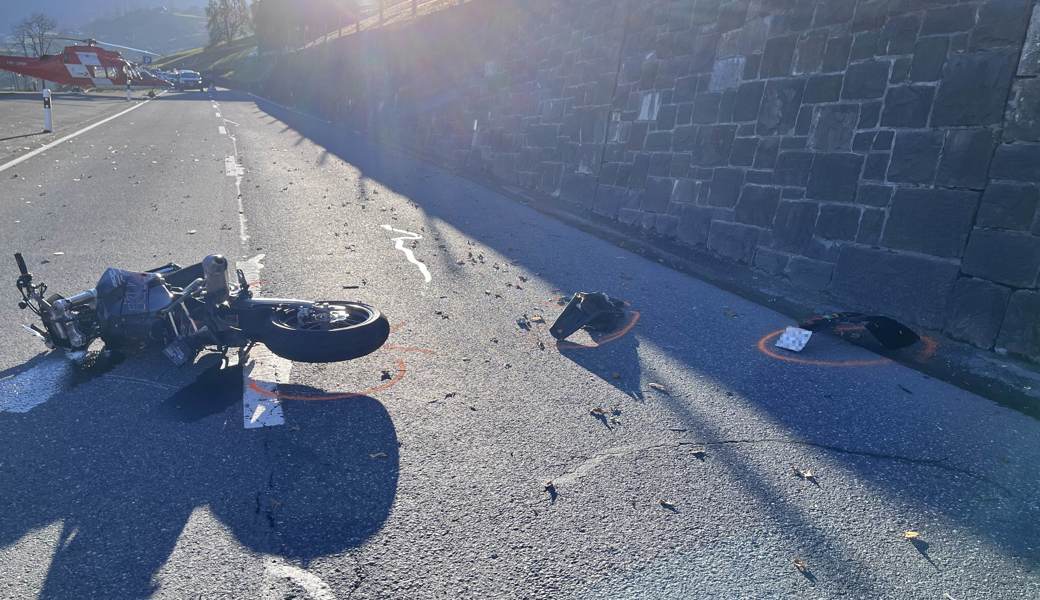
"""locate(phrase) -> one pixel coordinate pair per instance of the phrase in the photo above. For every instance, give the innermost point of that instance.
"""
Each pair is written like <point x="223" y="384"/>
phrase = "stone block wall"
<point x="883" y="152"/>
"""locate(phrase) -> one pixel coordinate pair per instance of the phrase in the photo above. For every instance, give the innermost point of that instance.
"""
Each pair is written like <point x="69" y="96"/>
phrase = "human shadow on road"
<point x="123" y="478"/>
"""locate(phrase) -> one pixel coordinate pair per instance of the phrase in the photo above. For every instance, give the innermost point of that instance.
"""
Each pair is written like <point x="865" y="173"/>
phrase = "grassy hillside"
<point x="236" y="60"/>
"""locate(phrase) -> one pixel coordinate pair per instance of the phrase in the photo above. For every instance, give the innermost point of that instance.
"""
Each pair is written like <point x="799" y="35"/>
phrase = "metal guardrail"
<point x="384" y="13"/>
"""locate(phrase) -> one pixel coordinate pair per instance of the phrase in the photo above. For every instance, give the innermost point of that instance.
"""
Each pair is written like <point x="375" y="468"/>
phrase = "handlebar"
<point x="21" y="263"/>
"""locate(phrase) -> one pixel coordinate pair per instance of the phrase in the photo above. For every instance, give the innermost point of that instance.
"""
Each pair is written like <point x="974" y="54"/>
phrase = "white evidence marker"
<point x="794" y="339"/>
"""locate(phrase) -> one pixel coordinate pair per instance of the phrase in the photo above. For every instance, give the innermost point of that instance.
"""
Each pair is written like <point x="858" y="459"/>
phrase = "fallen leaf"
<point x="598" y="412"/>
<point x="800" y="564"/>
<point x="806" y="474"/>
<point x="659" y="388"/>
<point x="911" y="535"/>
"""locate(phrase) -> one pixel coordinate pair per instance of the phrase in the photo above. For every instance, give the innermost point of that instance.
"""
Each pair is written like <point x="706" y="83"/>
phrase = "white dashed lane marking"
<point x="222" y="130"/>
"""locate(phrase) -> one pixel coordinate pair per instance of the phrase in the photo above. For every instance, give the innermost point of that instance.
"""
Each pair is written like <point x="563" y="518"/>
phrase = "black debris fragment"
<point x="594" y="311"/>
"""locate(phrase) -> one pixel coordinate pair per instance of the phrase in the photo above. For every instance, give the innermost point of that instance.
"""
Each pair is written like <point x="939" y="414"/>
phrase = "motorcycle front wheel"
<point x="324" y="332"/>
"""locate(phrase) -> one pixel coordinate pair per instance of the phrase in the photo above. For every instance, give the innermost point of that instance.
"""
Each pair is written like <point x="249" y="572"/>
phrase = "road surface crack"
<point x="589" y="462"/>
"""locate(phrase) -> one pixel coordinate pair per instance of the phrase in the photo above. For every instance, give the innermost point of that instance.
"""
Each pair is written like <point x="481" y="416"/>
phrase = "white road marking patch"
<point x="222" y="130"/>
<point x="47" y="147"/>
<point x="218" y="114"/>
<point x="312" y="584"/>
<point x="232" y="122"/>
<point x="399" y="244"/>
<point x="263" y="368"/>
<point x="231" y="167"/>
<point x="25" y="391"/>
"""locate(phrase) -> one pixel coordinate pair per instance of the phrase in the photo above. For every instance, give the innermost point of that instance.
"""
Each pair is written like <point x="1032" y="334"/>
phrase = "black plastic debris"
<point x="594" y="311"/>
<point x="890" y="333"/>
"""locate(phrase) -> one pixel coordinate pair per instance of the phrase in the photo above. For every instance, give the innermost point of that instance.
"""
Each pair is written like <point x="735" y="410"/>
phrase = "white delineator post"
<point x="127" y="90"/>
<point x="48" y="125"/>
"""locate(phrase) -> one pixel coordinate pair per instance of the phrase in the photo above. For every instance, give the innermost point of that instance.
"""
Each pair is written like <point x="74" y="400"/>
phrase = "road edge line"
<point x="47" y="147"/>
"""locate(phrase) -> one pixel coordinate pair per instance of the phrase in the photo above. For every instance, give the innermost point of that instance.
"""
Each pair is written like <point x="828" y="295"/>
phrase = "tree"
<point x="226" y="19"/>
<point x="32" y="34"/>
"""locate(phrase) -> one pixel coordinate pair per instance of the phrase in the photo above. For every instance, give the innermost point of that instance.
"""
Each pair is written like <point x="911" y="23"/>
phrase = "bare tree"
<point x="34" y="34"/>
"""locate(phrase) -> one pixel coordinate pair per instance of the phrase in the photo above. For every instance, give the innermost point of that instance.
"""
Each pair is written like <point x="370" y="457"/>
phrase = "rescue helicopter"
<point x="85" y="65"/>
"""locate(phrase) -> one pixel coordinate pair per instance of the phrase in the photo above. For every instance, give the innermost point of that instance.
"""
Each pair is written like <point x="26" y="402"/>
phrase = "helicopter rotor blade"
<point x="128" y="48"/>
<point x="92" y="41"/>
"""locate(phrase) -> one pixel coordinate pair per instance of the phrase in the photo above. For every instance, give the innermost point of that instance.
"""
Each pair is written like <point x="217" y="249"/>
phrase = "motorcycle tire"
<point x="363" y="332"/>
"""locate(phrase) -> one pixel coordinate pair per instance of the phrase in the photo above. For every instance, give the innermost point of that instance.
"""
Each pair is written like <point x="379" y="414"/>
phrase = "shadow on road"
<point x="123" y="467"/>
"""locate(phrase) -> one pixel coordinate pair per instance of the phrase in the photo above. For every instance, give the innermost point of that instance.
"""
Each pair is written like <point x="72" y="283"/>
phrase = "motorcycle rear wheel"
<point x="357" y="331"/>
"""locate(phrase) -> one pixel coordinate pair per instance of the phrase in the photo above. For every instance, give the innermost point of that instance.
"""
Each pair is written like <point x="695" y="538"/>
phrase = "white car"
<point x="187" y="80"/>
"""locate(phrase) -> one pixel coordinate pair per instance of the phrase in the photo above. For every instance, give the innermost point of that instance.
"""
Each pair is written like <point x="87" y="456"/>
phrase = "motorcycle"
<point x="184" y="310"/>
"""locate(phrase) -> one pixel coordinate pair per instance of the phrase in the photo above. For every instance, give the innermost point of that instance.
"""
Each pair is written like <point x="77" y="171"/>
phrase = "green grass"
<point x="222" y="60"/>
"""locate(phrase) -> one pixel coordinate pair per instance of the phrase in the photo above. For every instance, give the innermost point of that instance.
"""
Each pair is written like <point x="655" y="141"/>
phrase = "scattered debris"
<point x="911" y="535"/>
<point x="550" y="488"/>
<point x="890" y="333"/>
<point x="377" y="455"/>
<point x="905" y="389"/>
<point x="537" y="319"/>
<point x="699" y="453"/>
<point x="524" y="323"/>
<point x="450" y="395"/>
<point x="804" y="474"/>
<point x="192" y="231"/>
<point x="594" y="311"/>
<point x="794" y="339"/>
<point x="729" y="312"/>
<point x="660" y="388"/>
<point x="601" y="415"/>
<point x="59" y="254"/>
<point x="801" y="565"/>
<point x="385" y="376"/>
<point x="668" y="505"/>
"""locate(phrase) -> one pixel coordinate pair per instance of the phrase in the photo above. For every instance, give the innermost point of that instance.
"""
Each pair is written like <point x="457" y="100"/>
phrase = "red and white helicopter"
<point x="86" y="65"/>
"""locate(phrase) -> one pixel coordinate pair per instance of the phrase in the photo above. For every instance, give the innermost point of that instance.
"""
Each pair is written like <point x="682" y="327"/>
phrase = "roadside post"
<point x="48" y="125"/>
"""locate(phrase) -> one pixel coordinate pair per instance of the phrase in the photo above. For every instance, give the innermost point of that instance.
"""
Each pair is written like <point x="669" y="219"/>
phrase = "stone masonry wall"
<point x="883" y="152"/>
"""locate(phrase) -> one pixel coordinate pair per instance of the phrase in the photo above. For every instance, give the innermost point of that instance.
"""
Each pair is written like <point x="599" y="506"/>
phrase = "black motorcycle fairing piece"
<point x="890" y="333"/>
<point x="127" y="305"/>
<point x="594" y="311"/>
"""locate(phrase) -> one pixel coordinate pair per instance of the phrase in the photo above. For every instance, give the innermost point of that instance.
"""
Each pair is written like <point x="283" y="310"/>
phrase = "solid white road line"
<point x="47" y="147"/>
<point x="263" y="368"/>
<point x="399" y="244"/>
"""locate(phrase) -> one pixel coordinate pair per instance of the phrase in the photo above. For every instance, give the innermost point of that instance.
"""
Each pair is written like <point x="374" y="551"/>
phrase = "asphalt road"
<point x="135" y="479"/>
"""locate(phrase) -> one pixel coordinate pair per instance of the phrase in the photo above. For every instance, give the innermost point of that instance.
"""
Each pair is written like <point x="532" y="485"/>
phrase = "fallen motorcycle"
<point x="183" y="310"/>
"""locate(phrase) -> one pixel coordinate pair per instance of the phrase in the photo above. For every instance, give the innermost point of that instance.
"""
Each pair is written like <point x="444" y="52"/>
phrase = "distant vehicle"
<point x="85" y="66"/>
<point x="187" y="80"/>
